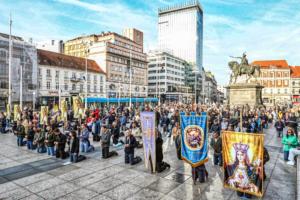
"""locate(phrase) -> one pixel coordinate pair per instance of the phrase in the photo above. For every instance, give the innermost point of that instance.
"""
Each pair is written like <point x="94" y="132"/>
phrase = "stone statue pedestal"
<point x="244" y="93"/>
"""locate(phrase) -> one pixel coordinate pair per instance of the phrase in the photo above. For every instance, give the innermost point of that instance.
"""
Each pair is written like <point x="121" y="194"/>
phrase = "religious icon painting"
<point x="243" y="162"/>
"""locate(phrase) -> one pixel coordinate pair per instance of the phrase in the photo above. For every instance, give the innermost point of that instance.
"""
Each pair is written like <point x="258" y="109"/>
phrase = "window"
<point x="48" y="85"/>
<point x="285" y="91"/>
<point x="66" y="86"/>
<point x="95" y="78"/>
<point x="278" y="91"/>
<point x="48" y="73"/>
<point x="81" y="87"/>
<point x="66" y="74"/>
<point x="89" y="77"/>
<point x="95" y="88"/>
<point x="101" y="89"/>
<point x="40" y="72"/>
<point x="57" y="85"/>
<point x="39" y="84"/>
<point x="73" y="87"/>
<point x="89" y="88"/>
<point x="293" y="83"/>
<point x="101" y="79"/>
<point x="73" y="75"/>
<point x="56" y="74"/>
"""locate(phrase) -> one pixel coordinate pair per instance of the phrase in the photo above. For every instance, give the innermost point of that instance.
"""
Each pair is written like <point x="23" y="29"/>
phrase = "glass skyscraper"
<point x="180" y="31"/>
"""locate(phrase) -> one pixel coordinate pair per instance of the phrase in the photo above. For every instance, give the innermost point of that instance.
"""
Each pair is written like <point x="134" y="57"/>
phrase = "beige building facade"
<point x="118" y="56"/>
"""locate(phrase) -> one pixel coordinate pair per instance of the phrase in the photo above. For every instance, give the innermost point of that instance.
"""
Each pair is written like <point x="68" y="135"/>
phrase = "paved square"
<point x="27" y="175"/>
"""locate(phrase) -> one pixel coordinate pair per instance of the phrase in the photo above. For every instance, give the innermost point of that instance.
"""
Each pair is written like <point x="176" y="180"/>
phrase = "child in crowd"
<point x="74" y="147"/>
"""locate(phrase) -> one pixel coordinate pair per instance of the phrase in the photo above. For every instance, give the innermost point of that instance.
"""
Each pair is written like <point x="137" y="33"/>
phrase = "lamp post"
<point x="195" y="85"/>
<point x="130" y="78"/>
<point x="9" y="66"/>
<point x="33" y="101"/>
<point x="86" y="49"/>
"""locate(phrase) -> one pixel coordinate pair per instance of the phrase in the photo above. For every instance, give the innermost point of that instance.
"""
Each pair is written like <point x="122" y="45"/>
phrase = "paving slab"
<point x="122" y="191"/>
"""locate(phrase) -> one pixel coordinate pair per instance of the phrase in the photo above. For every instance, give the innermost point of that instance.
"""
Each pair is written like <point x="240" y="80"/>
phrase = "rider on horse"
<point x="244" y="63"/>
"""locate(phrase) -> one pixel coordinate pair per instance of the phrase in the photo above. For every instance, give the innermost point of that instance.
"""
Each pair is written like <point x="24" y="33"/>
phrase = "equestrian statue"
<point x="239" y="69"/>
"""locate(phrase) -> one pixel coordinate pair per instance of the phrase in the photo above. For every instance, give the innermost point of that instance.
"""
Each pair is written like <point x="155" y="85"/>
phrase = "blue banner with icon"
<point x="194" y="138"/>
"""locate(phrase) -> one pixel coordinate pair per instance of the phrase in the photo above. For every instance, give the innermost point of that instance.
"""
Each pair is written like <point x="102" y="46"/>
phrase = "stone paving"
<point x="25" y="174"/>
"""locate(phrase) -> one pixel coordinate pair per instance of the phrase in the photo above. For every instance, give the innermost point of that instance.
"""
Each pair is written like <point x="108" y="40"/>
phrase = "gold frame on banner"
<point x="262" y="169"/>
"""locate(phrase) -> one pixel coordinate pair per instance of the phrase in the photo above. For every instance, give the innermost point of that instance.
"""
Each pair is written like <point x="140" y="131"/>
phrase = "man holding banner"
<point x="194" y="144"/>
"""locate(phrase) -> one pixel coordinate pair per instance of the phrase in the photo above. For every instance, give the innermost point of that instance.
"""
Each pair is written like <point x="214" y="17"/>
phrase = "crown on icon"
<point x="241" y="147"/>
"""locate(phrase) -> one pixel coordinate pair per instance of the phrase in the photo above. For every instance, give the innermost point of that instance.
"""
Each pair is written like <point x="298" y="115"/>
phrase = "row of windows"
<point x="128" y="46"/>
<point x="277" y="74"/>
<point x="125" y="53"/>
<point x="126" y="61"/>
<point x="119" y="78"/>
<point x="275" y="91"/>
<point x="74" y="87"/>
<point x="74" y="75"/>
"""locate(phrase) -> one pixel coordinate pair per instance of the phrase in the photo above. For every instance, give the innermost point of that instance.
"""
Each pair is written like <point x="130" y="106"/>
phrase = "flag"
<point x="243" y="162"/>
<point x="64" y="110"/>
<point x="182" y="113"/>
<point x="149" y="137"/>
<point x="76" y="107"/>
<point x="44" y="115"/>
<point x="17" y="113"/>
<point x="194" y="139"/>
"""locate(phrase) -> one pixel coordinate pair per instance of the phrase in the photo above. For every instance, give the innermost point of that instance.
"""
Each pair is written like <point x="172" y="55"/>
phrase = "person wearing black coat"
<point x="30" y="137"/>
<point x="160" y="164"/>
<point x="215" y="127"/>
<point x="115" y="131"/>
<point x="130" y="144"/>
<point x="216" y="144"/>
<point x="60" y="144"/>
<point x="74" y="147"/>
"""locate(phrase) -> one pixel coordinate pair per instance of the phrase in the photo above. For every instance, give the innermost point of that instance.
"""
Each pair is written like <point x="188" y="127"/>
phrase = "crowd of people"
<point x="121" y="126"/>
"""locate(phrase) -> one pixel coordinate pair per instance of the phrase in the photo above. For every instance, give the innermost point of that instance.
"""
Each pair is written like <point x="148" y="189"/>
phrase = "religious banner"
<point x="192" y="113"/>
<point x="44" y="115"/>
<point x="149" y="137"/>
<point x="243" y="162"/>
<point x="8" y="111"/>
<point x="55" y="108"/>
<point x="64" y="110"/>
<point x="17" y="113"/>
<point x="76" y="107"/>
<point x="194" y="139"/>
<point x="182" y="113"/>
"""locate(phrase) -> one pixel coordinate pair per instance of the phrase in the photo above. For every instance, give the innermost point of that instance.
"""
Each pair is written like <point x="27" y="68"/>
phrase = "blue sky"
<point x="265" y="29"/>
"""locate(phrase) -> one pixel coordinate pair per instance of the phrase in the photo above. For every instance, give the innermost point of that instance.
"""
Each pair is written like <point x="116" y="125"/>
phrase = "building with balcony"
<point x="295" y="84"/>
<point x="167" y="77"/>
<point x="23" y="69"/>
<point x="63" y="76"/>
<point x="275" y="77"/>
<point x="117" y="55"/>
<point x="210" y="88"/>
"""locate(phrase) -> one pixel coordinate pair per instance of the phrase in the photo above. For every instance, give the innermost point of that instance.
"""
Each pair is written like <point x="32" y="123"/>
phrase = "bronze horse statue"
<point x="238" y="70"/>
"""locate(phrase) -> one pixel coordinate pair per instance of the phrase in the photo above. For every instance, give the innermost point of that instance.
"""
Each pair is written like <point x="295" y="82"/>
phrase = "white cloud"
<point x="274" y="35"/>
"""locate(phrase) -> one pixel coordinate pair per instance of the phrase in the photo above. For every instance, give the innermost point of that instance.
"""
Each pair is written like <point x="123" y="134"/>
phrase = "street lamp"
<point x="86" y="50"/>
<point x="33" y="101"/>
<point x="195" y="85"/>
